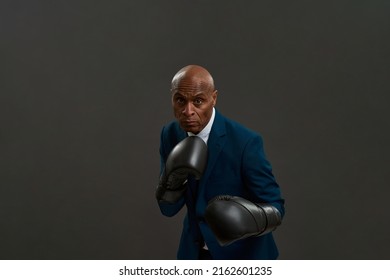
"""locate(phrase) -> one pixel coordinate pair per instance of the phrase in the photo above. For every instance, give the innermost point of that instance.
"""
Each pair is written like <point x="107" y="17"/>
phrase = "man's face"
<point x="193" y="104"/>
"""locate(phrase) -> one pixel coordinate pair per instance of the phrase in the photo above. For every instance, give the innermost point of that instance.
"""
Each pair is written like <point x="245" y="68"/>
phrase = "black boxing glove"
<point x="232" y="218"/>
<point x="188" y="157"/>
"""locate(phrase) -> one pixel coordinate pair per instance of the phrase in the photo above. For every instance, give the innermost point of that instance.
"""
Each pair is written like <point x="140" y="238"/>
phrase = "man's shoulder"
<point x="233" y="126"/>
<point x="171" y="128"/>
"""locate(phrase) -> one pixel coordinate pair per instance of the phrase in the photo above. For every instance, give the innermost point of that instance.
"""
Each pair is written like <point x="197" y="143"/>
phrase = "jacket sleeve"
<point x="258" y="175"/>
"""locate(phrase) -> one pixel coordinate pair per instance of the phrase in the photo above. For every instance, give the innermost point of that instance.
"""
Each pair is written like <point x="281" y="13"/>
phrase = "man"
<point x="218" y="169"/>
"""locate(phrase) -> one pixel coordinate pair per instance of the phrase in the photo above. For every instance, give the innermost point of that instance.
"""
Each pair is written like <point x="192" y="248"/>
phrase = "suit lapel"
<point x="181" y="135"/>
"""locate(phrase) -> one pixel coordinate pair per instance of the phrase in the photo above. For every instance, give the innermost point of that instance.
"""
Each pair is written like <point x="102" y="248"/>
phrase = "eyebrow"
<point x="195" y="95"/>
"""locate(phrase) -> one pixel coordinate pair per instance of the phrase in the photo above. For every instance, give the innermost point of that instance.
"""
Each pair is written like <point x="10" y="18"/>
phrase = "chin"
<point x="190" y="129"/>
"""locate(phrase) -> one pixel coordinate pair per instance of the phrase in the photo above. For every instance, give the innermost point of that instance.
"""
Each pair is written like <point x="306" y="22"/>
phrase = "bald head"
<point x="193" y="97"/>
<point x="194" y="74"/>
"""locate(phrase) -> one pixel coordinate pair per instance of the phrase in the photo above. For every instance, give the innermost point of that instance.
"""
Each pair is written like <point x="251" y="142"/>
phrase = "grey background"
<point x="84" y="92"/>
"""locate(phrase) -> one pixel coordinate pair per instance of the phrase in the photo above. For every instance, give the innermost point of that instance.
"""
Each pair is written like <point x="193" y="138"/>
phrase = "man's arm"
<point x="233" y="218"/>
<point x="258" y="176"/>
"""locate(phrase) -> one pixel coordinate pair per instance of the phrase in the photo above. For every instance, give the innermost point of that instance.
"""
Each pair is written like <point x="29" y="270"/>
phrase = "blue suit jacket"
<point x="236" y="166"/>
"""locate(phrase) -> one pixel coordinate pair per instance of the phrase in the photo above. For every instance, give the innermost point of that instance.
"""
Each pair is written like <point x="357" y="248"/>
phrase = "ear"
<point x="214" y="96"/>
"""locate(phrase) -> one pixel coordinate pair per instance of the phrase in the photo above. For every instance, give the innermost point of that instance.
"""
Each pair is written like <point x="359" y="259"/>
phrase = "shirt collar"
<point x="204" y="134"/>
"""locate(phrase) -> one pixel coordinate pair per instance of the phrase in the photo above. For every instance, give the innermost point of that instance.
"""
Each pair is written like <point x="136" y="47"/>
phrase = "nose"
<point x="188" y="109"/>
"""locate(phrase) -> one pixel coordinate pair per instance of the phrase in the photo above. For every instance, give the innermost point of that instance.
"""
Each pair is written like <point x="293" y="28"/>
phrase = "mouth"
<point x="189" y="123"/>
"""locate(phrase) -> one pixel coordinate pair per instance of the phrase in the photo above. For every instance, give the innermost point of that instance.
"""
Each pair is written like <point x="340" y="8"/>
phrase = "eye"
<point x="180" y="100"/>
<point x="198" y="101"/>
